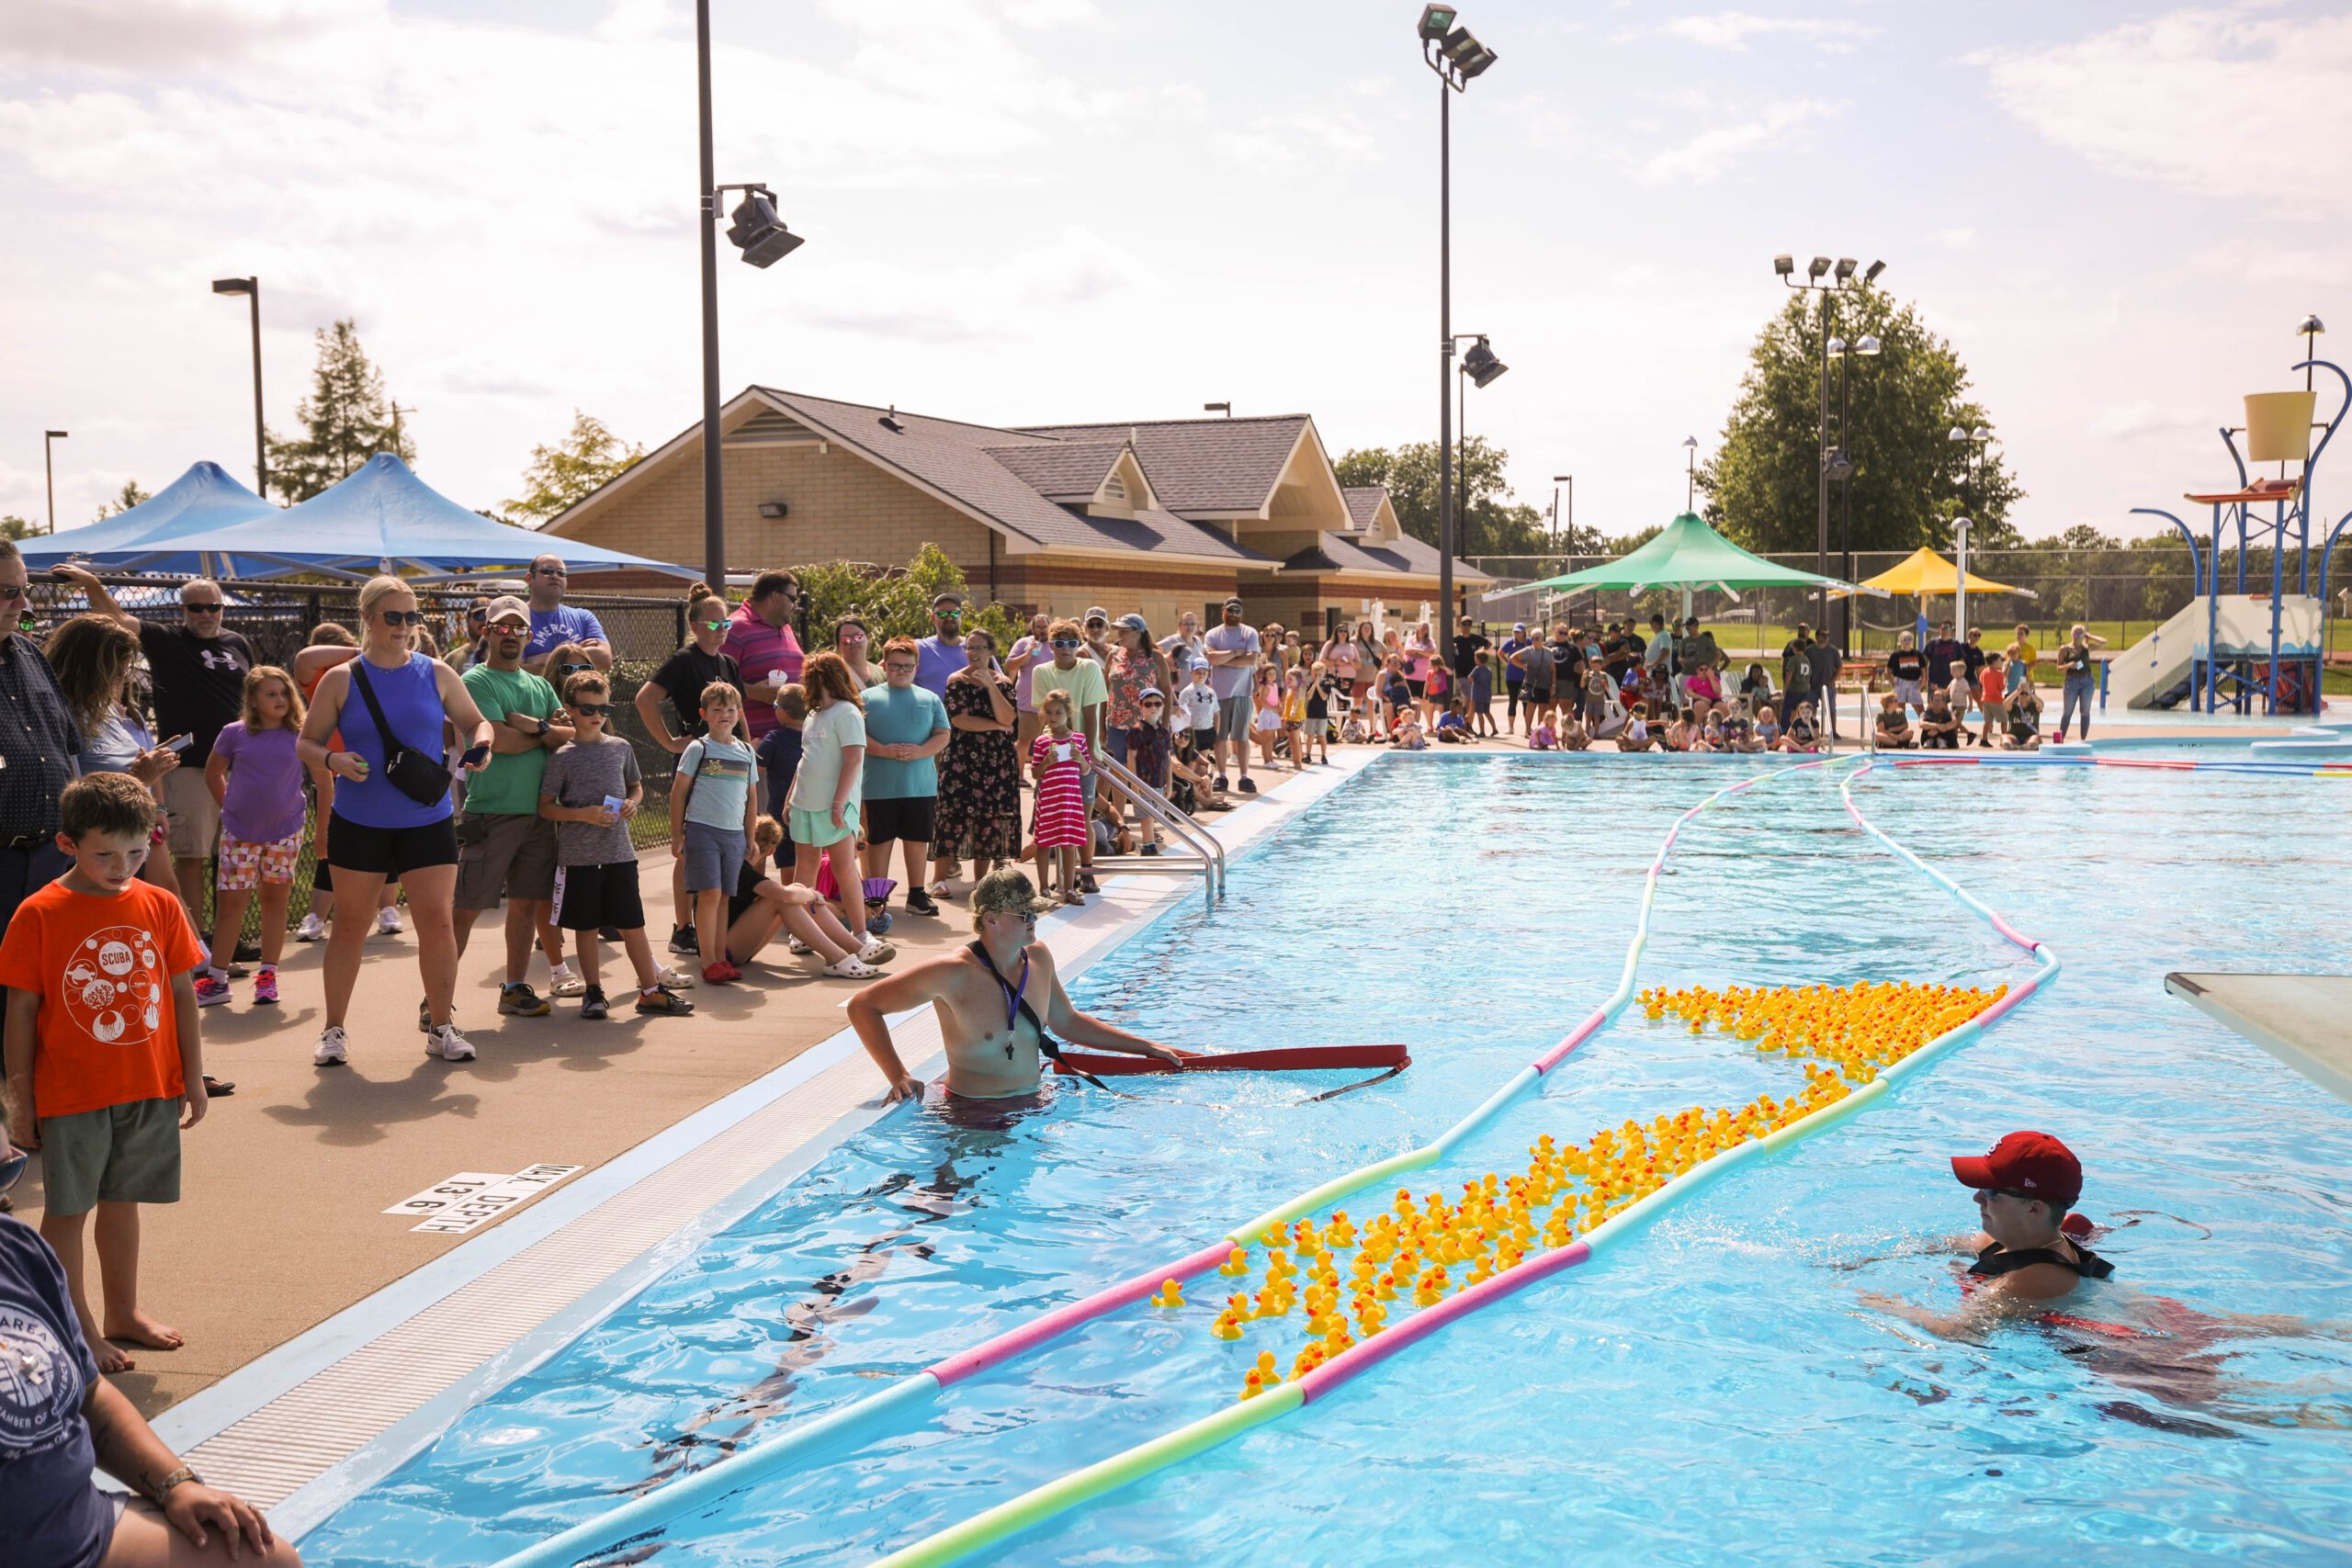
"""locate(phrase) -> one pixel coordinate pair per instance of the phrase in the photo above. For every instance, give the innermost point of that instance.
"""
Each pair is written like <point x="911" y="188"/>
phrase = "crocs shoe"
<point x="448" y="1044"/>
<point x="332" y="1050"/>
<point x="852" y="968"/>
<point x="677" y="977"/>
<point x="265" y="987"/>
<point x="876" y="951"/>
<point x="720" y="973"/>
<point x="565" y="981"/>
<point x="210" y="989"/>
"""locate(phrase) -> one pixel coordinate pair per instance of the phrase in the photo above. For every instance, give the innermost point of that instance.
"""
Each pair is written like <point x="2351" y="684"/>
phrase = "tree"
<point x="1761" y="484"/>
<point x="1487" y="522"/>
<point x="346" y="420"/>
<point x="893" y="601"/>
<point x="559" y="475"/>
<point x="131" y="495"/>
<point x="15" y="527"/>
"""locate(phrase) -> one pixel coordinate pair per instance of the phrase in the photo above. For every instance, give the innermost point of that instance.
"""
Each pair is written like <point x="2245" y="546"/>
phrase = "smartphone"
<point x="1062" y="752"/>
<point x="473" y="754"/>
<point x="179" y="743"/>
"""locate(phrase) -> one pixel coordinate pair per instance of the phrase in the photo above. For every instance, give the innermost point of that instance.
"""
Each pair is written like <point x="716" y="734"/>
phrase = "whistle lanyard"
<point x="1012" y="995"/>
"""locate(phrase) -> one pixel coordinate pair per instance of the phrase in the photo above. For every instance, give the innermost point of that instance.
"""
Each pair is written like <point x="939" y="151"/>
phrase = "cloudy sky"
<point x="1025" y="211"/>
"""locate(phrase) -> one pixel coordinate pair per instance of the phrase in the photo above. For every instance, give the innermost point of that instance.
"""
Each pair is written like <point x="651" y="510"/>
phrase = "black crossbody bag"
<point x="416" y="774"/>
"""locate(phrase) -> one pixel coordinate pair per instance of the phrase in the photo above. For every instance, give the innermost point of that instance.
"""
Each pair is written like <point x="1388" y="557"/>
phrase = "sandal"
<point x="214" y="1088"/>
<point x="852" y="968"/>
<point x="1086" y="883"/>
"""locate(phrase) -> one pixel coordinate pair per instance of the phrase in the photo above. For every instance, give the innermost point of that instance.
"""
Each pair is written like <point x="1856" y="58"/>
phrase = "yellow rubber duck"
<point x="1170" y="1295"/>
<point x="1236" y="1263"/>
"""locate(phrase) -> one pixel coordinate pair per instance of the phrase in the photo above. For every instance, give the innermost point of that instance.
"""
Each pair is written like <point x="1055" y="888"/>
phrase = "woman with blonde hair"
<point x="823" y="808"/>
<point x="393" y="811"/>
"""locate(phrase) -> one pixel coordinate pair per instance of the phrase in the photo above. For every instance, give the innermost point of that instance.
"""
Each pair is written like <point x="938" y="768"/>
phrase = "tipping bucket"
<point x="2278" y="426"/>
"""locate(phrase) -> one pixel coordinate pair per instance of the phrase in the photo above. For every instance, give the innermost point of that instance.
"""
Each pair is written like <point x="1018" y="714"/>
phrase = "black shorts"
<point x="908" y="817"/>
<point x="588" y="897"/>
<point x="388" y="852"/>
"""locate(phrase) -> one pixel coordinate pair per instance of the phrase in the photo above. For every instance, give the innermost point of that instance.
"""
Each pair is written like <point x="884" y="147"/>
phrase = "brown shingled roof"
<point x="967" y="463"/>
<point x="1065" y="471"/>
<point x="1363" y="501"/>
<point x="1404" y="556"/>
<point x="1201" y="465"/>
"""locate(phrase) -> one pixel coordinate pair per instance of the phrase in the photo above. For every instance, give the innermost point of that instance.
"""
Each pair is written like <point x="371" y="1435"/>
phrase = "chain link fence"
<point x="2121" y="594"/>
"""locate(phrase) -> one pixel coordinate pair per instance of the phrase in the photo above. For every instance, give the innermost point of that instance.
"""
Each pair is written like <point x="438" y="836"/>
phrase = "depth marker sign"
<point x="473" y="1198"/>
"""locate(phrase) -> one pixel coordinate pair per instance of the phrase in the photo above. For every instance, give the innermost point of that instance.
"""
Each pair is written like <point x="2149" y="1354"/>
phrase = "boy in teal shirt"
<point x="717" y="771"/>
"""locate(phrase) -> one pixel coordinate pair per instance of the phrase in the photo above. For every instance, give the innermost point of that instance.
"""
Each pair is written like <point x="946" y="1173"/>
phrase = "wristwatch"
<point x="162" y="1487"/>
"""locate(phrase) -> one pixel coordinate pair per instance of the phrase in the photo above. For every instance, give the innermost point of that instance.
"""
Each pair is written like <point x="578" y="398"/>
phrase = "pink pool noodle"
<point x="1365" y="1354"/>
<point x="1061" y="1320"/>
<point x="1577" y="1037"/>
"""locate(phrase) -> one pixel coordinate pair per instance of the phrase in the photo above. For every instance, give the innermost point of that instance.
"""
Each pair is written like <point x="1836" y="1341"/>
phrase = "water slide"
<point x="2157" y="665"/>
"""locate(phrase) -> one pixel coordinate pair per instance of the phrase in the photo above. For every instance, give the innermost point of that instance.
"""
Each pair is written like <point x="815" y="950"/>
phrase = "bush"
<point x="894" y="601"/>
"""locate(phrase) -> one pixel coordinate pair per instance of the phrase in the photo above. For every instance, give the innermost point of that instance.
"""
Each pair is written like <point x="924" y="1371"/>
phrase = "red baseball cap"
<point x="2032" y="1163"/>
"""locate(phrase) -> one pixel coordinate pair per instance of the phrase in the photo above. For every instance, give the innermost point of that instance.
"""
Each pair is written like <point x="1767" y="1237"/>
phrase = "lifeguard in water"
<point x="115" y="986"/>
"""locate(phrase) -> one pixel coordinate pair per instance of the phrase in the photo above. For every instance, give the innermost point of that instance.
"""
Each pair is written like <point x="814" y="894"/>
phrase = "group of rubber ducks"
<point x="1413" y="1249"/>
<point x="1862" y="1028"/>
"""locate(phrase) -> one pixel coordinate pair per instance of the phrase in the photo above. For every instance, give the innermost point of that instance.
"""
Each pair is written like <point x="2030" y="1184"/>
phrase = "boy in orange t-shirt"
<point x="103" y="1059"/>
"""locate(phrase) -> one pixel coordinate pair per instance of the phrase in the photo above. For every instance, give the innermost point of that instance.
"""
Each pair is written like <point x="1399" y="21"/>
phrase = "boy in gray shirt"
<point x="590" y="791"/>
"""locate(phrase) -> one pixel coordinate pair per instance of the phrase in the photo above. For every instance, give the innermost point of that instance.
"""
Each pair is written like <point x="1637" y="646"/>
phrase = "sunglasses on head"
<point x="391" y="617"/>
<point x="593" y="710"/>
<point x="572" y="669"/>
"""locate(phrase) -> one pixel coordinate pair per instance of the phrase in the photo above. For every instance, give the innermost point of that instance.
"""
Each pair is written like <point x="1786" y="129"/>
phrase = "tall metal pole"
<point x="713" y="488"/>
<point x="48" y="473"/>
<point x="261" y="448"/>
<point x="1846" y="495"/>
<point x="1445" y="352"/>
<point x="1821" y="464"/>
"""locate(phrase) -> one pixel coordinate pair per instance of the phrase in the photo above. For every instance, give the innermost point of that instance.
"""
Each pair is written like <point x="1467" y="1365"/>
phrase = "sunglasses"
<point x="851" y="634"/>
<point x="593" y="710"/>
<point x="12" y="592"/>
<point x="947" y="614"/>
<point x="214" y="608"/>
<point x="1065" y="642"/>
<point x="572" y="669"/>
<point x="550" y="571"/>
<point x="508" y="628"/>
<point x="1984" y="1193"/>
<point x="898" y="669"/>
<point x="712" y="626"/>
<point x="391" y="617"/>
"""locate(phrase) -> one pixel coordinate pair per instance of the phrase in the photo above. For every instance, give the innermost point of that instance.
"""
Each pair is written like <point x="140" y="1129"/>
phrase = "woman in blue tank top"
<point x="377" y="829"/>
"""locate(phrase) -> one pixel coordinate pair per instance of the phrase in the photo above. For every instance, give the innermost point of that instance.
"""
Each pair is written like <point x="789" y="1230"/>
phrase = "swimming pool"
<point x="1712" y="1391"/>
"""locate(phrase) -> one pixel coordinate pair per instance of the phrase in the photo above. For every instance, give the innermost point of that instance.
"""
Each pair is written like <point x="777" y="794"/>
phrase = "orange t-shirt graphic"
<point x="103" y="967"/>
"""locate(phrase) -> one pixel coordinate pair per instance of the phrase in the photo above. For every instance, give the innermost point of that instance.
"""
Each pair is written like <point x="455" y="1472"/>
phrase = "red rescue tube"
<point x="1277" y="1059"/>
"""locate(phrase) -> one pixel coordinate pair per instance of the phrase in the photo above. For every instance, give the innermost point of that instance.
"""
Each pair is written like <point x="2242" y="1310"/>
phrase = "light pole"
<point x="1972" y="443"/>
<point x="49" y="470"/>
<point x="761" y="236"/>
<point x="1226" y="408"/>
<point x="1960" y="527"/>
<point x="1455" y="57"/>
<point x="1690" y="473"/>
<point x="251" y="288"/>
<point x="1557" y="481"/>
<point x="1841" y="279"/>
<point x="1478" y="367"/>
<point x="1843" y="470"/>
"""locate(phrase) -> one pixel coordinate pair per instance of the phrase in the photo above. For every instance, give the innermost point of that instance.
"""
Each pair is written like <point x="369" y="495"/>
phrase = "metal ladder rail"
<point x="1179" y="825"/>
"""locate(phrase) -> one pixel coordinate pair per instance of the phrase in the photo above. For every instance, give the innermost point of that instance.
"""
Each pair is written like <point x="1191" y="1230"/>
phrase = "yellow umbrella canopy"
<point x="1924" y="572"/>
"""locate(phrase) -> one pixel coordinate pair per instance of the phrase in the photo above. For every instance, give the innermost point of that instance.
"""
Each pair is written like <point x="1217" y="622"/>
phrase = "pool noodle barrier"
<point x="1272" y="1059"/>
<point x="1057" y="1497"/>
<point x="642" y="1518"/>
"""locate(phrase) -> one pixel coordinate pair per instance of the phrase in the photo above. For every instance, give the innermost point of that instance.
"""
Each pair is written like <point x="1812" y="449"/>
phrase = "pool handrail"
<point x="1057" y="1497"/>
<point x="1164" y="811"/>
<point x="643" y="1516"/>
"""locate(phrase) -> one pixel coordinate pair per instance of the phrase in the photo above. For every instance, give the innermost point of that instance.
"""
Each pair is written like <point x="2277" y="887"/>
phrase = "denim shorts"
<point x="712" y="856"/>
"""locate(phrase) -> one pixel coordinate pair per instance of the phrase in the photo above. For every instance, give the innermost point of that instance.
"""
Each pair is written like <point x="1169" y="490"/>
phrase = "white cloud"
<point x="1961" y="237"/>
<point x="1708" y="155"/>
<point x="946" y="302"/>
<point x="2241" y="104"/>
<point x="128" y="35"/>
<point x="1733" y="29"/>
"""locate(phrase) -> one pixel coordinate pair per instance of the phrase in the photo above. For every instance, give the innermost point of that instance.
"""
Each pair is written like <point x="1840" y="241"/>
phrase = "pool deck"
<point x="328" y="1340"/>
<point x="2299" y="1018"/>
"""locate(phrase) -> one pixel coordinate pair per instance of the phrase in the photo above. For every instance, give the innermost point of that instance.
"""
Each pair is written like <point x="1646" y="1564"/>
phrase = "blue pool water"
<point x="1714" y="1390"/>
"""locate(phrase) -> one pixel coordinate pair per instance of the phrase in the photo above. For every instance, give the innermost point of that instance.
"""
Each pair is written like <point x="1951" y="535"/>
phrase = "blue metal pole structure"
<point x="2311" y="464"/>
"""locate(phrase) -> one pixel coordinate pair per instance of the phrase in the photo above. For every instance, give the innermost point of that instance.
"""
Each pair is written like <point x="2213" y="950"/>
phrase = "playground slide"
<point x="2157" y="666"/>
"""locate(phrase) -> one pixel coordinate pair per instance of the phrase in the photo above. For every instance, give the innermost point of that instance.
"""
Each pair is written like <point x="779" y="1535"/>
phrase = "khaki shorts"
<point x="505" y="855"/>
<point x="120" y="1154"/>
<point x="196" y="815"/>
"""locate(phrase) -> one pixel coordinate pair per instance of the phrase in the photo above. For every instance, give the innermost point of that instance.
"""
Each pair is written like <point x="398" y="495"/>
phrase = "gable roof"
<point x="1363" y="501"/>
<point x="1202" y="466"/>
<point x="1401" y="556"/>
<point x="1068" y="472"/>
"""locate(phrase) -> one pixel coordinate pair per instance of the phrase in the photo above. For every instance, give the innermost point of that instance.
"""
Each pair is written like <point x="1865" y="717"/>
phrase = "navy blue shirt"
<point x="779" y="752"/>
<point x="54" y="1517"/>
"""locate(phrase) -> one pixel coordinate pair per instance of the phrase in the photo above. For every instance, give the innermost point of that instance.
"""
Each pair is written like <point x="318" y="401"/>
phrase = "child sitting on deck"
<point x="1453" y="724"/>
<point x="1543" y="737"/>
<point x="1895" y="726"/>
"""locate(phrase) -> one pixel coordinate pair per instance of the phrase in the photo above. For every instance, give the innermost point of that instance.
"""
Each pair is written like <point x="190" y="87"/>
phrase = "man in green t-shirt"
<point x="504" y="847"/>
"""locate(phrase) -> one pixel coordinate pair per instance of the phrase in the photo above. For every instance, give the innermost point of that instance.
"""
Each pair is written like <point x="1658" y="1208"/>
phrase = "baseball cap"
<point x="1132" y="621"/>
<point x="1148" y="692"/>
<point x="1097" y="612"/>
<point x="1519" y="625"/>
<point x="2025" y="1162"/>
<point x="1007" y="890"/>
<point x="948" y="598"/>
<point x="498" y="610"/>
<point x="1234" y="603"/>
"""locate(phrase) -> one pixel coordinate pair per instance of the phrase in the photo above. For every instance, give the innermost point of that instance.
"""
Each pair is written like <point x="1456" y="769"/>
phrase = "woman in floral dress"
<point x="979" y="774"/>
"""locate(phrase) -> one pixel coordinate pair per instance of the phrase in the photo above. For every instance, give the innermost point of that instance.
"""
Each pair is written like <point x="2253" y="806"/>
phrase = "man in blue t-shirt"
<point x="906" y="727"/>
<point x="940" y="655"/>
<point x="555" y="622"/>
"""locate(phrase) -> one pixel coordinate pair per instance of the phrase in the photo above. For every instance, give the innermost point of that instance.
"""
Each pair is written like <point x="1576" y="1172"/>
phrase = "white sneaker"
<point x="679" y="979"/>
<point x="446" y="1043"/>
<point x="877" y="951"/>
<point x="388" y="919"/>
<point x="332" y="1050"/>
<point x="562" y="981"/>
<point x="312" y="929"/>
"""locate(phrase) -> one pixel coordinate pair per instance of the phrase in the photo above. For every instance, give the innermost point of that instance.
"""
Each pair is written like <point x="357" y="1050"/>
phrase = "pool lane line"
<point x="1042" y="1502"/>
<point x="643" y="1518"/>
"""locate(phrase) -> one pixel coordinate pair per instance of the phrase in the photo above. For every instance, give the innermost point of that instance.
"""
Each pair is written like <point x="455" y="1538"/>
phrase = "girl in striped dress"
<point x="1059" y="759"/>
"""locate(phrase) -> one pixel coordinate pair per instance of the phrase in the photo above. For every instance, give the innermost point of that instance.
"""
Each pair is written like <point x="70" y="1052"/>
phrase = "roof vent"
<point x="889" y="421"/>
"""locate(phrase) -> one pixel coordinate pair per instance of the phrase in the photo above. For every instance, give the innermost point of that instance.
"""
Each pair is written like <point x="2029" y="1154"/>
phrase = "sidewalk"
<point x="280" y="1222"/>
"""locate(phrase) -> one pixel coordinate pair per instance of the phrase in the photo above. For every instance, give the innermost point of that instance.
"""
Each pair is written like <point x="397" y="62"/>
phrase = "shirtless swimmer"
<point x="991" y="996"/>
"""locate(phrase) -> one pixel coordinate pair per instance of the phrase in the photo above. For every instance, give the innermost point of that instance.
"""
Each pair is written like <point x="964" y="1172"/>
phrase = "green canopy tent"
<point x="1688" y="555"/>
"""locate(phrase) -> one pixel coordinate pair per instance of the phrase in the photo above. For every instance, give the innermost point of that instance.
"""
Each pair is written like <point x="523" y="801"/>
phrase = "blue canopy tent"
<point x="151" y="535"/>
<point x="383" y="518"/>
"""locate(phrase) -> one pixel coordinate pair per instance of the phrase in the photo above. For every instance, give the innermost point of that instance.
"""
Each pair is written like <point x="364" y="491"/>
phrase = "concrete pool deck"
<point x="2299" y="1018"/>
<point x="328" y="1340"/>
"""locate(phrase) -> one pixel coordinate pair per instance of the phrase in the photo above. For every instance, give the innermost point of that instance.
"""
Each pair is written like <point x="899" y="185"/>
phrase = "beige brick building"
<point x="1159" y="516"/>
